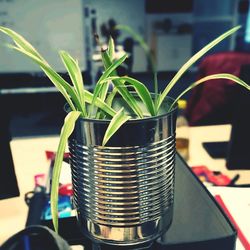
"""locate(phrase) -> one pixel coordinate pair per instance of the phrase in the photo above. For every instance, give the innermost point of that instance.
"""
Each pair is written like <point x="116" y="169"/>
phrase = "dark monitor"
<point x="168" y="6"/>
<point x="8" y="181"/>
<point x="238" y="155"/>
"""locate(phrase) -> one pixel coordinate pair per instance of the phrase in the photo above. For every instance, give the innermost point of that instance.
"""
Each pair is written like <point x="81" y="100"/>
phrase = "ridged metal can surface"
<point x="124" y="191"/>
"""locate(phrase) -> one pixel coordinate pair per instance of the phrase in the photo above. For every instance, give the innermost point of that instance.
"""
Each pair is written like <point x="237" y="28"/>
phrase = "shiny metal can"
<point x="124" y="191"/>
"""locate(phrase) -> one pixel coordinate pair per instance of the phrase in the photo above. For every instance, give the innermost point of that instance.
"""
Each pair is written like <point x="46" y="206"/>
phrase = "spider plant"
<point x="99" y="103"/>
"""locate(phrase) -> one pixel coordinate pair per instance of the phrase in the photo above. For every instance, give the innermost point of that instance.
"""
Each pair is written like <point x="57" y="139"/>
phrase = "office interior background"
<point x="174" y="30"/>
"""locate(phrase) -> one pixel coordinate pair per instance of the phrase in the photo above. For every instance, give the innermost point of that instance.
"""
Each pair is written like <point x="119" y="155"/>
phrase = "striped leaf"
<point x="111" y="96"/>
<point x="65" y="89"/>
<point x="147" y="51"/>
<point x="111" y="49"/>
<point x="21" y="42"/>
<point x="99" y="103"/>
<point x="117" y="121"/>
<point x="67" y="129"/>
<point x="141" y="90"/>
<point x="191" y="61"/>
<point x="212" y="77"/>
<point x="100" y="87"/>
<point x="76" y="77"/>
<point x="128" y="97"/>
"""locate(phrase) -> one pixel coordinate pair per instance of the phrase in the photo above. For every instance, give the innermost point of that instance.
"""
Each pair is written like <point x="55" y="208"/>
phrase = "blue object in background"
<point x="64" y="208"/>
<point x="247" y="34"/>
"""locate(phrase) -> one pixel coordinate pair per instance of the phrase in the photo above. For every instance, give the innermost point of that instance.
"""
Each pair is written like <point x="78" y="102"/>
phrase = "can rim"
<point x="133" y="120"/>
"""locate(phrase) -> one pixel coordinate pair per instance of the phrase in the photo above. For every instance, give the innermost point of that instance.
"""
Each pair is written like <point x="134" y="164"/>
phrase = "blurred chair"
<point x="212" y="102"/>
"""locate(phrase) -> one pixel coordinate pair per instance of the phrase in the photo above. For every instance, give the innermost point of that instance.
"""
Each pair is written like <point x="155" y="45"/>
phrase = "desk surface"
<point x="29" y="160"/>
<point x="199" y="156"/>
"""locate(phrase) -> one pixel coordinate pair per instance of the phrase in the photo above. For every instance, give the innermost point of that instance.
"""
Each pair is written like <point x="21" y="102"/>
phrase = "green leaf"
<point x="112" y="67"/>
<point x="66" y="131"/>
<point x="99" y="103"/>
<point x="212" y="77"/>
<point x="26" y="48"/>
<point x="191" y="61"/>
<point x="100" y="86"/>
<point x="141" y="90"/>
<point x="111" y="48"/>
<point x="103" y="95"/>
<point x="21" y="42"/>
<point x="104" y="91"/>
<point x="156" y="88"/>
<point x="111" y="96"/>
<point x="135" y="36"/>
<point x="56" y="79"/>
<point x="106" y="60"/>
<point x="147" y="50"/>
<point x="128" y="98"/>
<point x="118" y="120"/>
<point x="76" y="77"/>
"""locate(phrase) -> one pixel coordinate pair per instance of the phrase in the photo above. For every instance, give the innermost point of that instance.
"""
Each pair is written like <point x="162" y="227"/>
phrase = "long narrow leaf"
<point x="26" y="48"/>
<point x="128" y="98"/>
<point x="135" y="36"/>
<point x="104" y="91"/>
<point x="147" y="50"/>
<point x="118" y="120"/>
<point x="99" y="103"/>
<point x="192" y="60"/>
<point x="21" y="42"/>
<point x="141" y="90"/>
<point x="103" y="95"/>
<point x="111" y="96"/>
<point x="66" y="131"/>
<point x="112" y="67"/>
<point x="56" y="79"/>
<point x="111" y="49"/>
<point x="75" y="76"/>
<point x="212" y="77"/>
<point x="99" y="86"/>
<point x="97" y="90"/>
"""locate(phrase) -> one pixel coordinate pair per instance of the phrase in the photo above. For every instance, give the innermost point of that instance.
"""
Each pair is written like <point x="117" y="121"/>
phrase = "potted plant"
<point x="122" y="145"/>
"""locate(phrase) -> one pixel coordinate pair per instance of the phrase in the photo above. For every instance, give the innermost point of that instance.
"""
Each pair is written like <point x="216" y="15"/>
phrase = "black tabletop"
<point x="198" y="222"/>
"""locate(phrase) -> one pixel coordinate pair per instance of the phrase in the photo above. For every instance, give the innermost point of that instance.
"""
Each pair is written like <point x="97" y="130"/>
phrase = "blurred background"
<point x="30" y="105"/>
<point x="174" y="30"/>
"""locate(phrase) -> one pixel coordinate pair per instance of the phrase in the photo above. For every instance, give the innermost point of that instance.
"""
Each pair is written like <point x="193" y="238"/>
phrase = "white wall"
<point x="49" y="26"/>
<point x="126" y="12"/>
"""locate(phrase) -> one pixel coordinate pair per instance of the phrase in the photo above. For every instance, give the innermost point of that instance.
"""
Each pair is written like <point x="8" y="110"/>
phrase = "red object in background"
<point x="50" y="155"/>
<point x="240" y="233"/>
<point x="212" y="102"/>
<point x="215" y="178"/>
<point x="66" y="189"/>
<point x="40" y="180"/>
